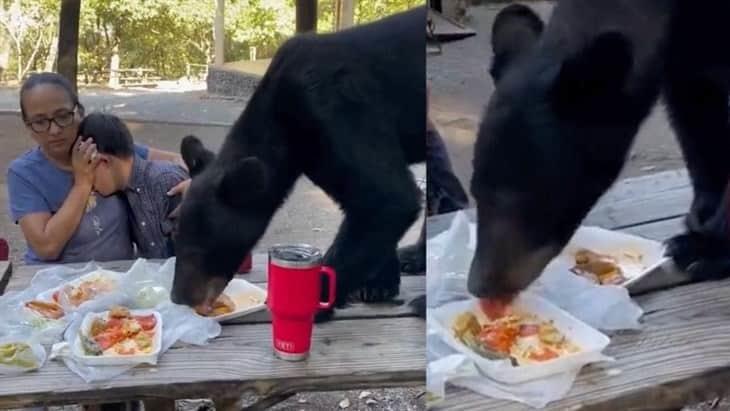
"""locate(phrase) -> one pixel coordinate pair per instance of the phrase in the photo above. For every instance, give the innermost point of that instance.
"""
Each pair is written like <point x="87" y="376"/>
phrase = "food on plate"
<point x="466" y="323"/>
<point x="221" y="306"/>
<point x="599" y="268"/>
<point x="46" y="309"/>
<point x="17" y="355"/>
<point x="84" y="291"/>
<point x="120" y="333"/>
<point x="521" y="337"/>
<point x="245" y="300"/>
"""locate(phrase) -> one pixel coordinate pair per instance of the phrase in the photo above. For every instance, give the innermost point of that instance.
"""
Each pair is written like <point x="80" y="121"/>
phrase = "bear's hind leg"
<point x="698" y="109"/>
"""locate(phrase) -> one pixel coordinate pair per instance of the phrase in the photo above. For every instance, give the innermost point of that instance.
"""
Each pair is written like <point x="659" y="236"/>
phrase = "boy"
<point x="142" y="183"/>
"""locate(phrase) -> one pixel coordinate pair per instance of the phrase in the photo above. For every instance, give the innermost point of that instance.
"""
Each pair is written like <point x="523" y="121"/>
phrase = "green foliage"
<point x="160" y="34"/>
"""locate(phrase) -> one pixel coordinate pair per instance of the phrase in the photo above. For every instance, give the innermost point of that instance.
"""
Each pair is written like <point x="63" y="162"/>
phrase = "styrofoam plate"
<point x="242" y="292"/>
<point x="623" y="247"/>
<point x="590" y="341"/>
<point x="102" y="360"/>
<point x="114" y="276"/>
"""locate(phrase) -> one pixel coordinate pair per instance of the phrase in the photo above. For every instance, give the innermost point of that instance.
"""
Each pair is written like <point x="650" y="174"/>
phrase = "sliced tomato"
<point x="499" y="339"/>
<point x="544" y="355"/>
<point x="528" y="330"/>
<point x="114" y="323"/>
<point x="147" y="322"/>
<point x="494" y="308"/>
<point x="108" y="339"/>
<point x="57" y="296"/>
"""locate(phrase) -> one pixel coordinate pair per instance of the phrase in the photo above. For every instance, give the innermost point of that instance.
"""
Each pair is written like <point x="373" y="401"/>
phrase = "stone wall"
<point x="231" y="83"/>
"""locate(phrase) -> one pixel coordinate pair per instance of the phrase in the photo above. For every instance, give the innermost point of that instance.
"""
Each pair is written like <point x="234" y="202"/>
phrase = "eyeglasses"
<point x="63" y="120"/>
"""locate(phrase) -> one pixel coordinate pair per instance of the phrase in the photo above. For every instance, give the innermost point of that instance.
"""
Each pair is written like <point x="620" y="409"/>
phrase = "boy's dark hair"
<point x="110" y="134"/>
<point x="37" y="79"/>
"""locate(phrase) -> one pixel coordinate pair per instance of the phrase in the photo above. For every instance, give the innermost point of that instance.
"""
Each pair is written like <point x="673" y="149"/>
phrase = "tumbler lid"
<point x="295" y="255"/>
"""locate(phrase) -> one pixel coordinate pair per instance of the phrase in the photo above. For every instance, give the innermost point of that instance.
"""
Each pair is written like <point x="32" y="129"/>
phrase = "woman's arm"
<point x="48" y="234"/>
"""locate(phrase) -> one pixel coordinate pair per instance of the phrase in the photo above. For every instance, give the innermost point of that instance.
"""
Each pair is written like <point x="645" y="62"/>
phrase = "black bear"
<point x="568" y="103"/>
<point x="347" y="110"/>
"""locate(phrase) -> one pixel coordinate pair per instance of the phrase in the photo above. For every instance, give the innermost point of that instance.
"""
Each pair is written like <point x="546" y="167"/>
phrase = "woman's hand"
<point x="84" y="159"/>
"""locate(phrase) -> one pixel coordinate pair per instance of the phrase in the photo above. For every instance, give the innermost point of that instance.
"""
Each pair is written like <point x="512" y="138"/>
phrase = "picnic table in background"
<point x="200" y="70"/>
<point x="136" y="77"/>
<point x="365" y="346"/>
<point x="682" y="354"/>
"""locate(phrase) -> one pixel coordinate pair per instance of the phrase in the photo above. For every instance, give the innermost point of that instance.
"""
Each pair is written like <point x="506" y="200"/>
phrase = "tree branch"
<point x="32" y="57"/>
<point x="10" y="32"/>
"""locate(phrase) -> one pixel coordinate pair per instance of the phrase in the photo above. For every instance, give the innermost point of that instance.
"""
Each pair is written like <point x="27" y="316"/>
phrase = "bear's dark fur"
<point x="346" y="110"/>
<point x="567" y="106"/>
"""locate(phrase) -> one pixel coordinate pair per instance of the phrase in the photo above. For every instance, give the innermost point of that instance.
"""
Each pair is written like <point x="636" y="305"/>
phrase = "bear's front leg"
<point x="384" y="285"/>
<point x="704" y="250"/>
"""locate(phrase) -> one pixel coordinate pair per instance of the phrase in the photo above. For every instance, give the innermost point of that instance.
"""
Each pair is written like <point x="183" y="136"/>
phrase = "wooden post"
<point x="68" y="40"/>
<point x="219" y="33"/>
<point x="306" y="16"/>
<point x="345" y="14"/>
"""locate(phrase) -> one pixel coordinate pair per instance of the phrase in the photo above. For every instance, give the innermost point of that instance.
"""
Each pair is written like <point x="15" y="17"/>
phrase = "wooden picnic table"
<point x="365" y="346"/>
<point x="682" y="354"/>
<point x="142" y="77"/>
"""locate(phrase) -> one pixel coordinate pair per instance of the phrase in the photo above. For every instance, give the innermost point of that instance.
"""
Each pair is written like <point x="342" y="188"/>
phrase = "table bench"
<point x="365" y="346"/>
<point x="682" y="354"/>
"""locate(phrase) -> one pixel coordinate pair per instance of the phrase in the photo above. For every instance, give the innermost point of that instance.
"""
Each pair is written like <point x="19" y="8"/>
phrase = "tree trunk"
<point x="219" y="33"/>
<point x="4" y="60"/>
<point x="306" y="16"/>
<point x="68" y="40"/>
<point x="52" y="55"/>
<point x="19" y="61"/>
<point x="345" y="14"/>
<point x="114" y="69"/>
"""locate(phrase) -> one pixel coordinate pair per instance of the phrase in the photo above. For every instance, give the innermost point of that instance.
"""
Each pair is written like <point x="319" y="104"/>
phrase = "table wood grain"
<point x="348" y="354"/>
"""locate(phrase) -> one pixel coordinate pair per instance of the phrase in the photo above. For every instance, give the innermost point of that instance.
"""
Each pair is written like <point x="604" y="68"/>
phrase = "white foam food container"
<point x="636" y="256"/>
<point x="114" y="276"/>
<point x="590" y="341"/>
<point x="77" y="349"/>
<point x="247" y="297"/>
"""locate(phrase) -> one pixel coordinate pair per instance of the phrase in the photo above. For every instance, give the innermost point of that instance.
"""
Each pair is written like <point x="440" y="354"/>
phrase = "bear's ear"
<point x="598" y="71"/>
<point x="515" y="30"/>
<point x="247" y="180"/>
<point x="195" y="155"/>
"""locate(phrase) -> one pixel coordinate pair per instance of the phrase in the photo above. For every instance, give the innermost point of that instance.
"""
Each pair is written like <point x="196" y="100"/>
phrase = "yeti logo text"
<point x="285" y="345"/>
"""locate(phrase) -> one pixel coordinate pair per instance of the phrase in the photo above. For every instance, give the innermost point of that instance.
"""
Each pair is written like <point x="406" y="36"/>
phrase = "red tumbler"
<point x="294" y="291"/>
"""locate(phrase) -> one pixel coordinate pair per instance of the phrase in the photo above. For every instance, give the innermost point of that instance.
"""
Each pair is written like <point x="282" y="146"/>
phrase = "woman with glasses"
<point x="50" y="187"/>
